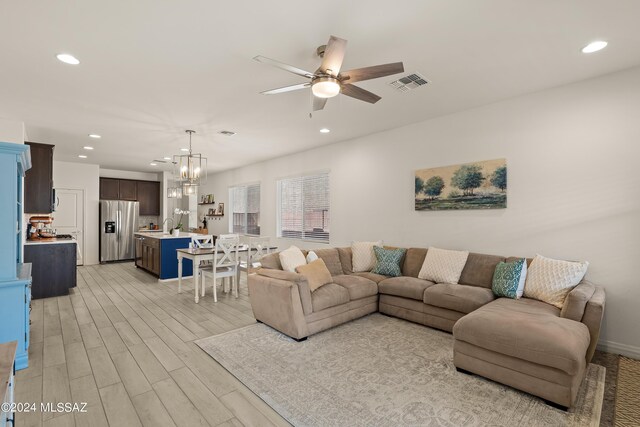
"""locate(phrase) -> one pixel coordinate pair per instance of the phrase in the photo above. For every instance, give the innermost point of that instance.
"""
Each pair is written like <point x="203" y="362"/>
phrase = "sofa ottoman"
<point x="524" y="344"/>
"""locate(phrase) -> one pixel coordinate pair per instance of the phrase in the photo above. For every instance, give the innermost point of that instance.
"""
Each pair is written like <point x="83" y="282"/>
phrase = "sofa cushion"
<point x="362" y="256"/>
<point x="345" y="260"/>
<point x="508" y="280"/>
<point x="331" y="259"/>
<point x="413" y="260"/>
<point x="329" y="295"/>
<point x="479" y="269"/>
<point x="371" y="276"/>
<point x="316" y="274"/>
<point x="407" y="287"/>
<point x="529" y="330"/>
<point x="291" y="258"/>
<point x="461" y="298"/>
<point x="443" y="265"/>
<point x="388" y="261"/>
<point x="271" y="261"/>
<point x="358" y="287"/>
<point x="550" y="280"/>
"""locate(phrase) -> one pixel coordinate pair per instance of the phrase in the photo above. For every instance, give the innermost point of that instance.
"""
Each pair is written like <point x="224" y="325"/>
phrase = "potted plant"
<point x="176" y="230"/>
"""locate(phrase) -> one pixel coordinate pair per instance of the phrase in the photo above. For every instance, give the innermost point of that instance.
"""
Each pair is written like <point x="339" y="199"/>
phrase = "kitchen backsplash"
<point x="144" y="221"/>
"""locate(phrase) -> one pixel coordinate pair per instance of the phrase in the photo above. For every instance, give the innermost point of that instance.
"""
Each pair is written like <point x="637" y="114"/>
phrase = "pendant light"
<point x="192" y="169"/>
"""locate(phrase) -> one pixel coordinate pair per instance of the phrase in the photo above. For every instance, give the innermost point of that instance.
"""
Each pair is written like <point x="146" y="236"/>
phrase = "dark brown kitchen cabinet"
<point x="149" y="197"/>
<point x="109" y="189"/>
<point x="148" y="254"/>
<point x="38" y="181"/>
<point x="128" y="190"/>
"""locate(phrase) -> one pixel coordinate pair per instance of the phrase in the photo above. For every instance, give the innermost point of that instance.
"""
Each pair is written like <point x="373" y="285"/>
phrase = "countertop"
<point x="49" y="241"/>
<point x="162" y="236"/>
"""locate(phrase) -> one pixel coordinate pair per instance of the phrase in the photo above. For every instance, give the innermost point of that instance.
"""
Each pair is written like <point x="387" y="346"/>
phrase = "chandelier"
<point x="192" y="169"/>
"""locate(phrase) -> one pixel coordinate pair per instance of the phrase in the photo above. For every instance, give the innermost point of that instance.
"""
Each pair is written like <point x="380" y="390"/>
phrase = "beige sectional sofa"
<point x="524" y="343"/>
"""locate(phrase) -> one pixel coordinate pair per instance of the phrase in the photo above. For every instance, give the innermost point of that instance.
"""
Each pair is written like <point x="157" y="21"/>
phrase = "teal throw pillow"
<point x="388" y="261"/>
<point x="508" y="279"/>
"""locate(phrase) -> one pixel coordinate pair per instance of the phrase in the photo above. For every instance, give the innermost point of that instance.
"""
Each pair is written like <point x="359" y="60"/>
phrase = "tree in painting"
<point x="467" y="178"/>
<point x="419" y="185"/>
<point x="433" y="187"/>
<point x="499" y="178"/>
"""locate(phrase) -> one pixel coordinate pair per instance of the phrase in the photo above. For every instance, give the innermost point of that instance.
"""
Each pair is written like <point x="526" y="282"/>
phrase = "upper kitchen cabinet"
<point x="147" y="193"/>
<point x="38" y="181"/>
<point x="149" y="197"/>
<point x="128" y="190"/>
<point x="109" y="189"/>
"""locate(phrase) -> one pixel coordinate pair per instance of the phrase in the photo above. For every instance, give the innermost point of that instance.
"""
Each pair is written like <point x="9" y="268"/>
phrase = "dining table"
<point x="197" y="255"/>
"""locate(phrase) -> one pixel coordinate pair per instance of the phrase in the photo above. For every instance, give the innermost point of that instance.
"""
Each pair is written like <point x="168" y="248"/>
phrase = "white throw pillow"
<point x="443" y="266"/>
<point x="311" y="256"/>
<point x="292" y="258"/>
<point x="363" y="258"/>
<point x="550" y="280"/>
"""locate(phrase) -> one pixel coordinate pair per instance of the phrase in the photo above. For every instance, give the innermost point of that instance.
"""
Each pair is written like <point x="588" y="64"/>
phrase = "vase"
<point x="175" y="232"/>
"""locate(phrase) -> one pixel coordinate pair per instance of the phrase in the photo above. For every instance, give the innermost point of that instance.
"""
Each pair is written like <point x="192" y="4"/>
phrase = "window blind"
<point x="244" y="201"/>
<point x="304" y="207"/>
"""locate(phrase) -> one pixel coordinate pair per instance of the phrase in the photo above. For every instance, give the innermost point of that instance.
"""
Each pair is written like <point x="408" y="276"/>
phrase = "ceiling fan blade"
<point x="286" y="89"/>
<point x="359" y="93"/>
<point x="283" y="66"/>
<point x="333" y="56"/>
<point x="374" y="72"/>
<point x="319" y="103"/>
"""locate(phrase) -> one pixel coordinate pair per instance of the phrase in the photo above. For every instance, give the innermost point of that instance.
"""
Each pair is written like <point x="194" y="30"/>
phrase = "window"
<point x="244" y="201"/>
<point x="303" y="207"/>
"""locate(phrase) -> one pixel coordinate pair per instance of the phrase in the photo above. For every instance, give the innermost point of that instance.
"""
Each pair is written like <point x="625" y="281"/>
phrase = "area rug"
<point x="628" y="393"/>
<point x="382" y="371"/>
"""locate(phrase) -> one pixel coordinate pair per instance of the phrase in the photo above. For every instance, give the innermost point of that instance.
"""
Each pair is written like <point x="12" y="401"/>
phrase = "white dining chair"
<point x="202" y="241"/>
<point x="257" y="248"/>
<point x="224" y="265"/>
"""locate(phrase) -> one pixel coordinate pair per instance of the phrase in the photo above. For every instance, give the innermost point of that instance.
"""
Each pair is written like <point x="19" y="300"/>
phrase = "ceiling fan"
<point x="327" y="81"/>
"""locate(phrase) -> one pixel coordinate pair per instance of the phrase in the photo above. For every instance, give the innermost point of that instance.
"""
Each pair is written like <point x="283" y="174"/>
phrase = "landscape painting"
<point x="479" y="185"/>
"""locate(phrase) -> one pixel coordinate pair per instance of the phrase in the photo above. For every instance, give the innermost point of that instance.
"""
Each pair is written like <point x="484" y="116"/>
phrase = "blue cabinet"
<point x="15" y="277"/>
<point x="169" y="258"/>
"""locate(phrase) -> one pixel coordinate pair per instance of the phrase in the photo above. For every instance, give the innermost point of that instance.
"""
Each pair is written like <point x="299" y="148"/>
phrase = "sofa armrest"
<point x="576" y="301"/>
<point x="299" y="279"/>
<point x="277" y="303"/>
<point x="593" y="313"/>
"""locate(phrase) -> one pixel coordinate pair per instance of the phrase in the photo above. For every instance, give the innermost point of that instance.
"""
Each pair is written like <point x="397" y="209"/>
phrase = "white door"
<point x="68" y="217"/>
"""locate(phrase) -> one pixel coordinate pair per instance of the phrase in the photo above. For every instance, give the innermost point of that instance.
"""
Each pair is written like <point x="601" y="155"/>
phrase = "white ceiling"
<point x="152" y="68"/>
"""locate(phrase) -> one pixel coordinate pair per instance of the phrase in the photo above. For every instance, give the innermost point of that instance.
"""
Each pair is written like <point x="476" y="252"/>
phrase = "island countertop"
<point x="162" y="236"/>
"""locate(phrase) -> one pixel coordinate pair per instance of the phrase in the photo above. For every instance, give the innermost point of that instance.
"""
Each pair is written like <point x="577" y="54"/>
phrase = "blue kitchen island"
<point x="156" y="253"/>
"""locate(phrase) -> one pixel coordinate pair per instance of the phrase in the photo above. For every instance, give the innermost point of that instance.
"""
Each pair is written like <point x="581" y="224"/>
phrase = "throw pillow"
<point x="292" y="258"/>
<point x="443" y="266"/>
<point x="363" y="257"/>
<point x="508" y="279"/>
<point x="550" y="280"/>
<point x="388" y="261"/>
<point x="316" y="273"/>
<point x="311" y="256"/>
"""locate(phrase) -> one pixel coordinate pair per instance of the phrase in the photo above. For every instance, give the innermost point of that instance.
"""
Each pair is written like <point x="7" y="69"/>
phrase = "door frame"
<point x="84" y="216"/>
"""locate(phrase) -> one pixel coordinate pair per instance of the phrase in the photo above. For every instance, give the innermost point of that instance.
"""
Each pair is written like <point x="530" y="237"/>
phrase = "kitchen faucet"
<point x="168" y="219"/>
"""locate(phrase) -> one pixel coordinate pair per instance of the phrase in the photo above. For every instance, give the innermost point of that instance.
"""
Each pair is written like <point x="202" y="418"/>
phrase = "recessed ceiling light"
<point x="166" y="158"/>
<point x="94" y="135"/>
<point x="153" y="164"/>
<point x="325" y="130"/>
<point x="594" y="46"/>
<point x="82" y="156"/>
<point x="67" y="59"/>
<point x="86" y="147"/>
<point x="184" y="149"/>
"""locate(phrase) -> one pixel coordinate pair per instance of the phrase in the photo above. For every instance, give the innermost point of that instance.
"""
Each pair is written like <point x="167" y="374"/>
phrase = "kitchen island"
<point x="53" y="266"/>
<point x="156" y="253"/>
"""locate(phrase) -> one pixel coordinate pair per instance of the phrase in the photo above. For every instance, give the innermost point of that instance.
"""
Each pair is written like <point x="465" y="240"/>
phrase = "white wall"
<point x="142" y="176"/>
<point x="573" y="157"/>
<point x="12" y="131"/>
<point x="85" y="177"/>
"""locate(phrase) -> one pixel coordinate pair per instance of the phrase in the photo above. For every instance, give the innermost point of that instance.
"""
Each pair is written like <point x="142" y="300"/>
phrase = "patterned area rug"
<point x="382" y="371"/>
<point x="628" y="393"/>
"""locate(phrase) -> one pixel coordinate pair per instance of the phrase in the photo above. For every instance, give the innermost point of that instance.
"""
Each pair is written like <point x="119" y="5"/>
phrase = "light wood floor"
<point x="123" y="343"/>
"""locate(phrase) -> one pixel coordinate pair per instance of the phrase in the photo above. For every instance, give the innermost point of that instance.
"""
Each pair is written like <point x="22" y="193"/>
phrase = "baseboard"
<point x="618" y="348"/>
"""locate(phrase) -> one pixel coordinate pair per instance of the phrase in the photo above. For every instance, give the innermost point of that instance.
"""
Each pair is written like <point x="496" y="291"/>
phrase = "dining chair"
<point x="258" y="247"/>
<point x="224" y="265"/>
<point x="201" y="242"/>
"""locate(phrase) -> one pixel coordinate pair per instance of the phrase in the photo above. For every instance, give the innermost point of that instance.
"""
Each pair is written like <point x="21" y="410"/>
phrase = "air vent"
<point x="226" y="133"/>
<point x="409" y="82"/>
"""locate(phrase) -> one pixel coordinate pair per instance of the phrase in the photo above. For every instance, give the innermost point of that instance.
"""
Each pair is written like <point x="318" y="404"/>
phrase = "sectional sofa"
<point x="524" y="343"/>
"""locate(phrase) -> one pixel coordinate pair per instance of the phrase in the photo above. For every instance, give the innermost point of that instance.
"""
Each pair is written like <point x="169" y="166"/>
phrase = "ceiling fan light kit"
<point x="325" y="87"/>
<point x="327" y="81"/>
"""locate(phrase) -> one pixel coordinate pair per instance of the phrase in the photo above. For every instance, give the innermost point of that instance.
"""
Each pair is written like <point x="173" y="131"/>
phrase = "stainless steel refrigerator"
<point x="118" y="222"/>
